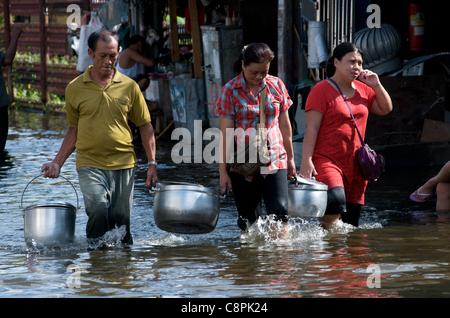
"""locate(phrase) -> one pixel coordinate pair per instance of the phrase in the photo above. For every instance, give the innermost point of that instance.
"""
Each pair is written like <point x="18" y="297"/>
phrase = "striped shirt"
<point x="237" y="103"/>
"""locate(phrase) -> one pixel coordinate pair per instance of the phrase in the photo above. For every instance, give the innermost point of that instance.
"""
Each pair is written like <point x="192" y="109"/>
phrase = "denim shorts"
<point x="108" y="197"/>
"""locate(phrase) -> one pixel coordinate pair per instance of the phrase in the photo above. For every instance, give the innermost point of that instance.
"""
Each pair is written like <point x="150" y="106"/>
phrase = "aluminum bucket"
<point x="185" y="208"/>
<point x="51" y="222"/>
<point x="306" y="197"/>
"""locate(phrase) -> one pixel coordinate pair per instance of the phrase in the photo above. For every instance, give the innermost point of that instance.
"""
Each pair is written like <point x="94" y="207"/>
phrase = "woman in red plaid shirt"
<point x="238" y="109"/>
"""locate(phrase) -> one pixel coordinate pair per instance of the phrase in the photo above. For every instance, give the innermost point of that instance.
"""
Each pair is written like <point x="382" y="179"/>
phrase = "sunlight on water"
<point x="168" y="239"/>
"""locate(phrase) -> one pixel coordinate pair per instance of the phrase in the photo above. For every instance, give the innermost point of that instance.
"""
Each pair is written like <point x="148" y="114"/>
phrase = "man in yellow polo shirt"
<point x="98" y="105"/>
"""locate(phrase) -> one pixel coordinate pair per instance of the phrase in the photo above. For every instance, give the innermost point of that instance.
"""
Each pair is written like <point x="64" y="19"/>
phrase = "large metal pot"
<point x="307" y="197"/>
<point x="185" y="208"/>
<point x="49" y="222"/>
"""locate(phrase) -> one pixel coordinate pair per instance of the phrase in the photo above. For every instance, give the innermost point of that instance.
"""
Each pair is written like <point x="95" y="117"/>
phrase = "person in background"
<point x="238" y="109"/>
<point x="129" y="64"/>
<point x="438" y="185"/>
<point x="330" y="142"/>
<point x="6" y="58"/>
<point x="98" y="104"/>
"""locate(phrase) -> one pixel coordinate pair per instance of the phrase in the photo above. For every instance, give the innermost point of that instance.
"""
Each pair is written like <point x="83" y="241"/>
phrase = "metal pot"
<point x="307" y="197"/>
<point x="49" y="222"/>
<point x="185" y="208"/>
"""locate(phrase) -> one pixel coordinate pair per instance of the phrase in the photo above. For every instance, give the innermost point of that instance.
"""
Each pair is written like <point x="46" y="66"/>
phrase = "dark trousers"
<point x="3" y="126"/>
<point x="248" y="195"/>
<point x="336" y="204"/>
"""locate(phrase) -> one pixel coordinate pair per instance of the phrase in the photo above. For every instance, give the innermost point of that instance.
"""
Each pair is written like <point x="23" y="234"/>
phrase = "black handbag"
<point x="370" y="163"/>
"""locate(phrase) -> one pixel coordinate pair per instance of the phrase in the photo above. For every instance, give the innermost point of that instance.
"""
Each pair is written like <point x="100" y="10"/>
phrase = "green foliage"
<point x="29" y="93"/>
<point x="27" y="57"/>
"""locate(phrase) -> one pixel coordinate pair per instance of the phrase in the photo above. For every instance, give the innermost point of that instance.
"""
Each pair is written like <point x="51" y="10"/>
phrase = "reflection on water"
<point x="405" y="244"/>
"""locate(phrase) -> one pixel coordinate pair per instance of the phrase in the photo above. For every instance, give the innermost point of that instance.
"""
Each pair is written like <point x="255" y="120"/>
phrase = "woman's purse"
<point x="371" y="164"/>
<point x="256" y="149"/>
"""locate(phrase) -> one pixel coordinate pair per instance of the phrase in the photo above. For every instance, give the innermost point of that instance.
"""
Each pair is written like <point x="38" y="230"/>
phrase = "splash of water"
<point x="111" y="238"/>
<point x="298" y="230"/>
<point x="295" y="230"/>
<point x="33" y="247"/>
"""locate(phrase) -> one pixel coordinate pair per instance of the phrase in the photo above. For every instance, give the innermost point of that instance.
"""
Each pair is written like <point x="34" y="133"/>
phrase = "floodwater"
<point x="401" y="249"/>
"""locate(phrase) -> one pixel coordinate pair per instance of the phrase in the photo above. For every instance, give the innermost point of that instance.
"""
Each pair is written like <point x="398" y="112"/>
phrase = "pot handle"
<point x="294" y="180"/>
<point x="21" y="199"/>
<point x="153" y="188"/>
<point x="194" y="181"/>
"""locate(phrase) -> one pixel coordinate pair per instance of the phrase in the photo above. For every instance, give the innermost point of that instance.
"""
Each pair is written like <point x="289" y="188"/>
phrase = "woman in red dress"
<point x="331" y="141"/>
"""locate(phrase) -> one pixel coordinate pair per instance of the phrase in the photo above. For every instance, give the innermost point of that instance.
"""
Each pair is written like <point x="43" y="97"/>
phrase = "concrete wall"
<point x="414" y="98"/>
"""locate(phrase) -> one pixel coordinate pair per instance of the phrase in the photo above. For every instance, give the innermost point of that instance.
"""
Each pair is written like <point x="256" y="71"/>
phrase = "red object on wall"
<point x="416" y="27"/>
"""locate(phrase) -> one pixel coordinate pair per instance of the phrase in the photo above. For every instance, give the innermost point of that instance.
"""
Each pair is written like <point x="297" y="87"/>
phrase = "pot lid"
<point x="304" y="183"/>
<point x="62" y="205"/>
<point x="183" y="186"/>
